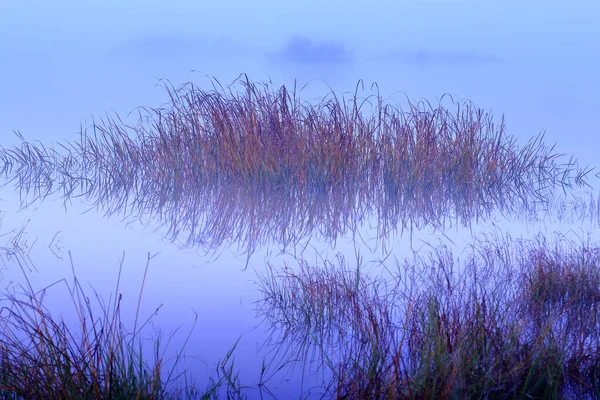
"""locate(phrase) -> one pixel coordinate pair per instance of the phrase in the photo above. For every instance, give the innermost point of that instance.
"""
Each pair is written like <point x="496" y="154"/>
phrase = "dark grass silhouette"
<point x="42" y="356"/>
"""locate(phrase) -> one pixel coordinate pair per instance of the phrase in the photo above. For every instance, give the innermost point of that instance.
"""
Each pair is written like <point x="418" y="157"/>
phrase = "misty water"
<point x="201" y="275"/>
<point x="203" y="259"/>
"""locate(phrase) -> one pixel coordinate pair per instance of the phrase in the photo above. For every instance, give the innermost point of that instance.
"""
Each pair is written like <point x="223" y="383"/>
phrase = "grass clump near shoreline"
<point x="511" y="320"/>
<point x="92" y="357"/>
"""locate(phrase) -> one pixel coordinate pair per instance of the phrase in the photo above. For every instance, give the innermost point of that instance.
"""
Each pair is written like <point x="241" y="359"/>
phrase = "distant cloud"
<point x="302" y="50"/>
<point x="433" y="57"/>
<point x="168" y="47"/>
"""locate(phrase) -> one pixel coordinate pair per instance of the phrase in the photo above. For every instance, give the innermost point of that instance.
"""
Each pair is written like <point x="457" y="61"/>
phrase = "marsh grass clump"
<point x="93" y="357"/>
<point x="42" y="357"/>
<point x="558" y="279"/>
<point x="320" y="312"/>
<point x="511" y="320"/>
<point x="419" y="165"/>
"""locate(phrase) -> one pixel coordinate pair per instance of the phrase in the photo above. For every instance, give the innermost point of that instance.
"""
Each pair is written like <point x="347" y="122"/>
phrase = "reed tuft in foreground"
<point x="511" y="320"/>
<point x="93" y="357"/>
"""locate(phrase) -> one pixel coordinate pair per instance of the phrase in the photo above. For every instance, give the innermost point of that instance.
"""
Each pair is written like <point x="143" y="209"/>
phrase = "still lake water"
<point x="217" y="281"/>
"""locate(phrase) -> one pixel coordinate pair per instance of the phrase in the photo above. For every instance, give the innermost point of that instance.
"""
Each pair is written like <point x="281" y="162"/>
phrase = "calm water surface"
<point x="216" y="281"/>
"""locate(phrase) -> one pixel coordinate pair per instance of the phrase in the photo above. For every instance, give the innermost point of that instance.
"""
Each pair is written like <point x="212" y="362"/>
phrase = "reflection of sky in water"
<point x="537" y="67"/>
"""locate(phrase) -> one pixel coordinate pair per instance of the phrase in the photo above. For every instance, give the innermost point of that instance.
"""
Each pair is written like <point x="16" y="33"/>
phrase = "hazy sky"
<point x="535" y="61"/>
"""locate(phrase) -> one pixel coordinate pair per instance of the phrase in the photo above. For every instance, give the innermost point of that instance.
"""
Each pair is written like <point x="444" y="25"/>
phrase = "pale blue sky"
<point x="536" y="61"/>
